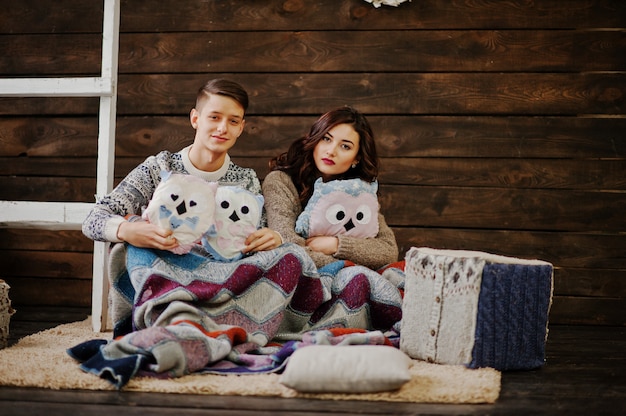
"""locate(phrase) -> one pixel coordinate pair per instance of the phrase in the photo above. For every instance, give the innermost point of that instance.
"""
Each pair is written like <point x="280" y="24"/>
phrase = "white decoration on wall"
<point x="378" y="3"/>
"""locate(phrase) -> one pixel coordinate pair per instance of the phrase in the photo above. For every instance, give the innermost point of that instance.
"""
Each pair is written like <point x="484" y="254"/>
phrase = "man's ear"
<point x="193" y="118"/>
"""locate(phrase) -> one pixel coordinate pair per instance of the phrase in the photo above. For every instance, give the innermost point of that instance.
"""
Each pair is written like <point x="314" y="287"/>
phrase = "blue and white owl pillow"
<point x="343" y="206"/>
<point x="186" y="205"/>
<point x="238" y="214"/>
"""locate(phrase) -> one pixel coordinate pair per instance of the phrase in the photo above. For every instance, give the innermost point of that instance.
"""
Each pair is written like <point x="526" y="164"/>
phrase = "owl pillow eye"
<point x="338" y="207"/>
<point x="363" y="214"/>
<point x="197" y="202"/>
<point x="335" y="214"/>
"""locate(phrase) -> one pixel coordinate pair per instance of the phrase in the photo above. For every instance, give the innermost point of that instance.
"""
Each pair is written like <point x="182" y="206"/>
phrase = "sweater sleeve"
<point x="370" y="252"/>
<point x="283" y="207"/>
<point x="129" y="197"/>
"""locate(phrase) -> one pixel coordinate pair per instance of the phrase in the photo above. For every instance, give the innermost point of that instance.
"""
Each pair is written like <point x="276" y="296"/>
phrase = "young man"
<point x="218" y="119"/>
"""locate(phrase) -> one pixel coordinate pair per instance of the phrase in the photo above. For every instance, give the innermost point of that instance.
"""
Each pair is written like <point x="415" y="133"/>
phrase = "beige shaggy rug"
<point x="40" y="360"/>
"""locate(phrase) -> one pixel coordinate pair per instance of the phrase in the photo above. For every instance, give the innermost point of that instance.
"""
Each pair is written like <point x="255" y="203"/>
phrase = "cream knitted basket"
<point x="476" y="309"/>
<point x="5" y="313"/>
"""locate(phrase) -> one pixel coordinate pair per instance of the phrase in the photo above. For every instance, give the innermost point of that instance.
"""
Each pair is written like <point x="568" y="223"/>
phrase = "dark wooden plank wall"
<point x="501" y="125"/>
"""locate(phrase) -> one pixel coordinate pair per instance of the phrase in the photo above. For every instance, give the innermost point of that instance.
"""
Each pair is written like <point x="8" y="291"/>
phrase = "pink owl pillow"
<point x="343" y="206"/>
<point x="186" y="205"/>
<point x="237" y="215"/>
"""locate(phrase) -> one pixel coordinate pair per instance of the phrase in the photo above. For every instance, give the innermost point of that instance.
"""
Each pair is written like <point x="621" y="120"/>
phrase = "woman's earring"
<point x="354" y="165"/>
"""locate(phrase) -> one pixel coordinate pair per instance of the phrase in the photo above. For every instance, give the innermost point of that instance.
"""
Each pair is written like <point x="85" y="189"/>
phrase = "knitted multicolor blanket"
<point x="192" y="314"/>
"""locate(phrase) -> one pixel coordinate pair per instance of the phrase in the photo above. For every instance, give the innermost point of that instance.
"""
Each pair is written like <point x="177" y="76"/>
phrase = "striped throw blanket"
<point x="176" y="315"/>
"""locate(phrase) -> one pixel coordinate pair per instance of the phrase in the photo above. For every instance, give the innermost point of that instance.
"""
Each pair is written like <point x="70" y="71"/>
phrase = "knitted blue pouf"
<point x="475" y="309"/>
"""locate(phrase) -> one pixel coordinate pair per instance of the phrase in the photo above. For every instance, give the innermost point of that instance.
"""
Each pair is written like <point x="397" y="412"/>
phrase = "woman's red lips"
<point x="328" y="161"/>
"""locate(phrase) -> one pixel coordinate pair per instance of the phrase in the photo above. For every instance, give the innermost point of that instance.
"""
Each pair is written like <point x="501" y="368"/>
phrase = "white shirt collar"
<point x="207" y="176"/>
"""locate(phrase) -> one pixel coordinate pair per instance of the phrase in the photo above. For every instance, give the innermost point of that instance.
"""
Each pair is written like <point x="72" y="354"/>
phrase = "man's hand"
<point x="261" y="240"/>
<point x="144" y="234"/>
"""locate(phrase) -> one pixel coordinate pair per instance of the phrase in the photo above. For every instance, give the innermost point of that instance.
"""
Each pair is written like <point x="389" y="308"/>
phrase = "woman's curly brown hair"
<point x="298" y="161"/>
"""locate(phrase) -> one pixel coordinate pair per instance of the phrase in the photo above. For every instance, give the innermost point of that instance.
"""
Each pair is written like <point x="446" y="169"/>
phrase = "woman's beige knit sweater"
<point x="283" y="207"/>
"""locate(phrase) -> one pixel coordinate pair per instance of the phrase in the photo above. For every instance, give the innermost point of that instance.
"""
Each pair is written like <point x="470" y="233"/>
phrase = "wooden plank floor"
<point x="585" y="374"/>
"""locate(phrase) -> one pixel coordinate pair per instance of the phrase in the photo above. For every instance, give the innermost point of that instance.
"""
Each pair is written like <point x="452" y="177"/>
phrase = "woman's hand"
<point x="261" y="240"/>
<point x="323" y="244"/>
<point x="144" y="234"/>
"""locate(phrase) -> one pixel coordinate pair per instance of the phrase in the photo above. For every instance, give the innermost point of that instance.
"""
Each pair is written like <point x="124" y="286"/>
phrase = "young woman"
<point x="339" y="145"/>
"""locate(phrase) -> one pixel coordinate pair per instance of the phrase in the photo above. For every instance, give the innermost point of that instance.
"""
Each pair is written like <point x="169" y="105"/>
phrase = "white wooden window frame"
<point x="70" y="215"/>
